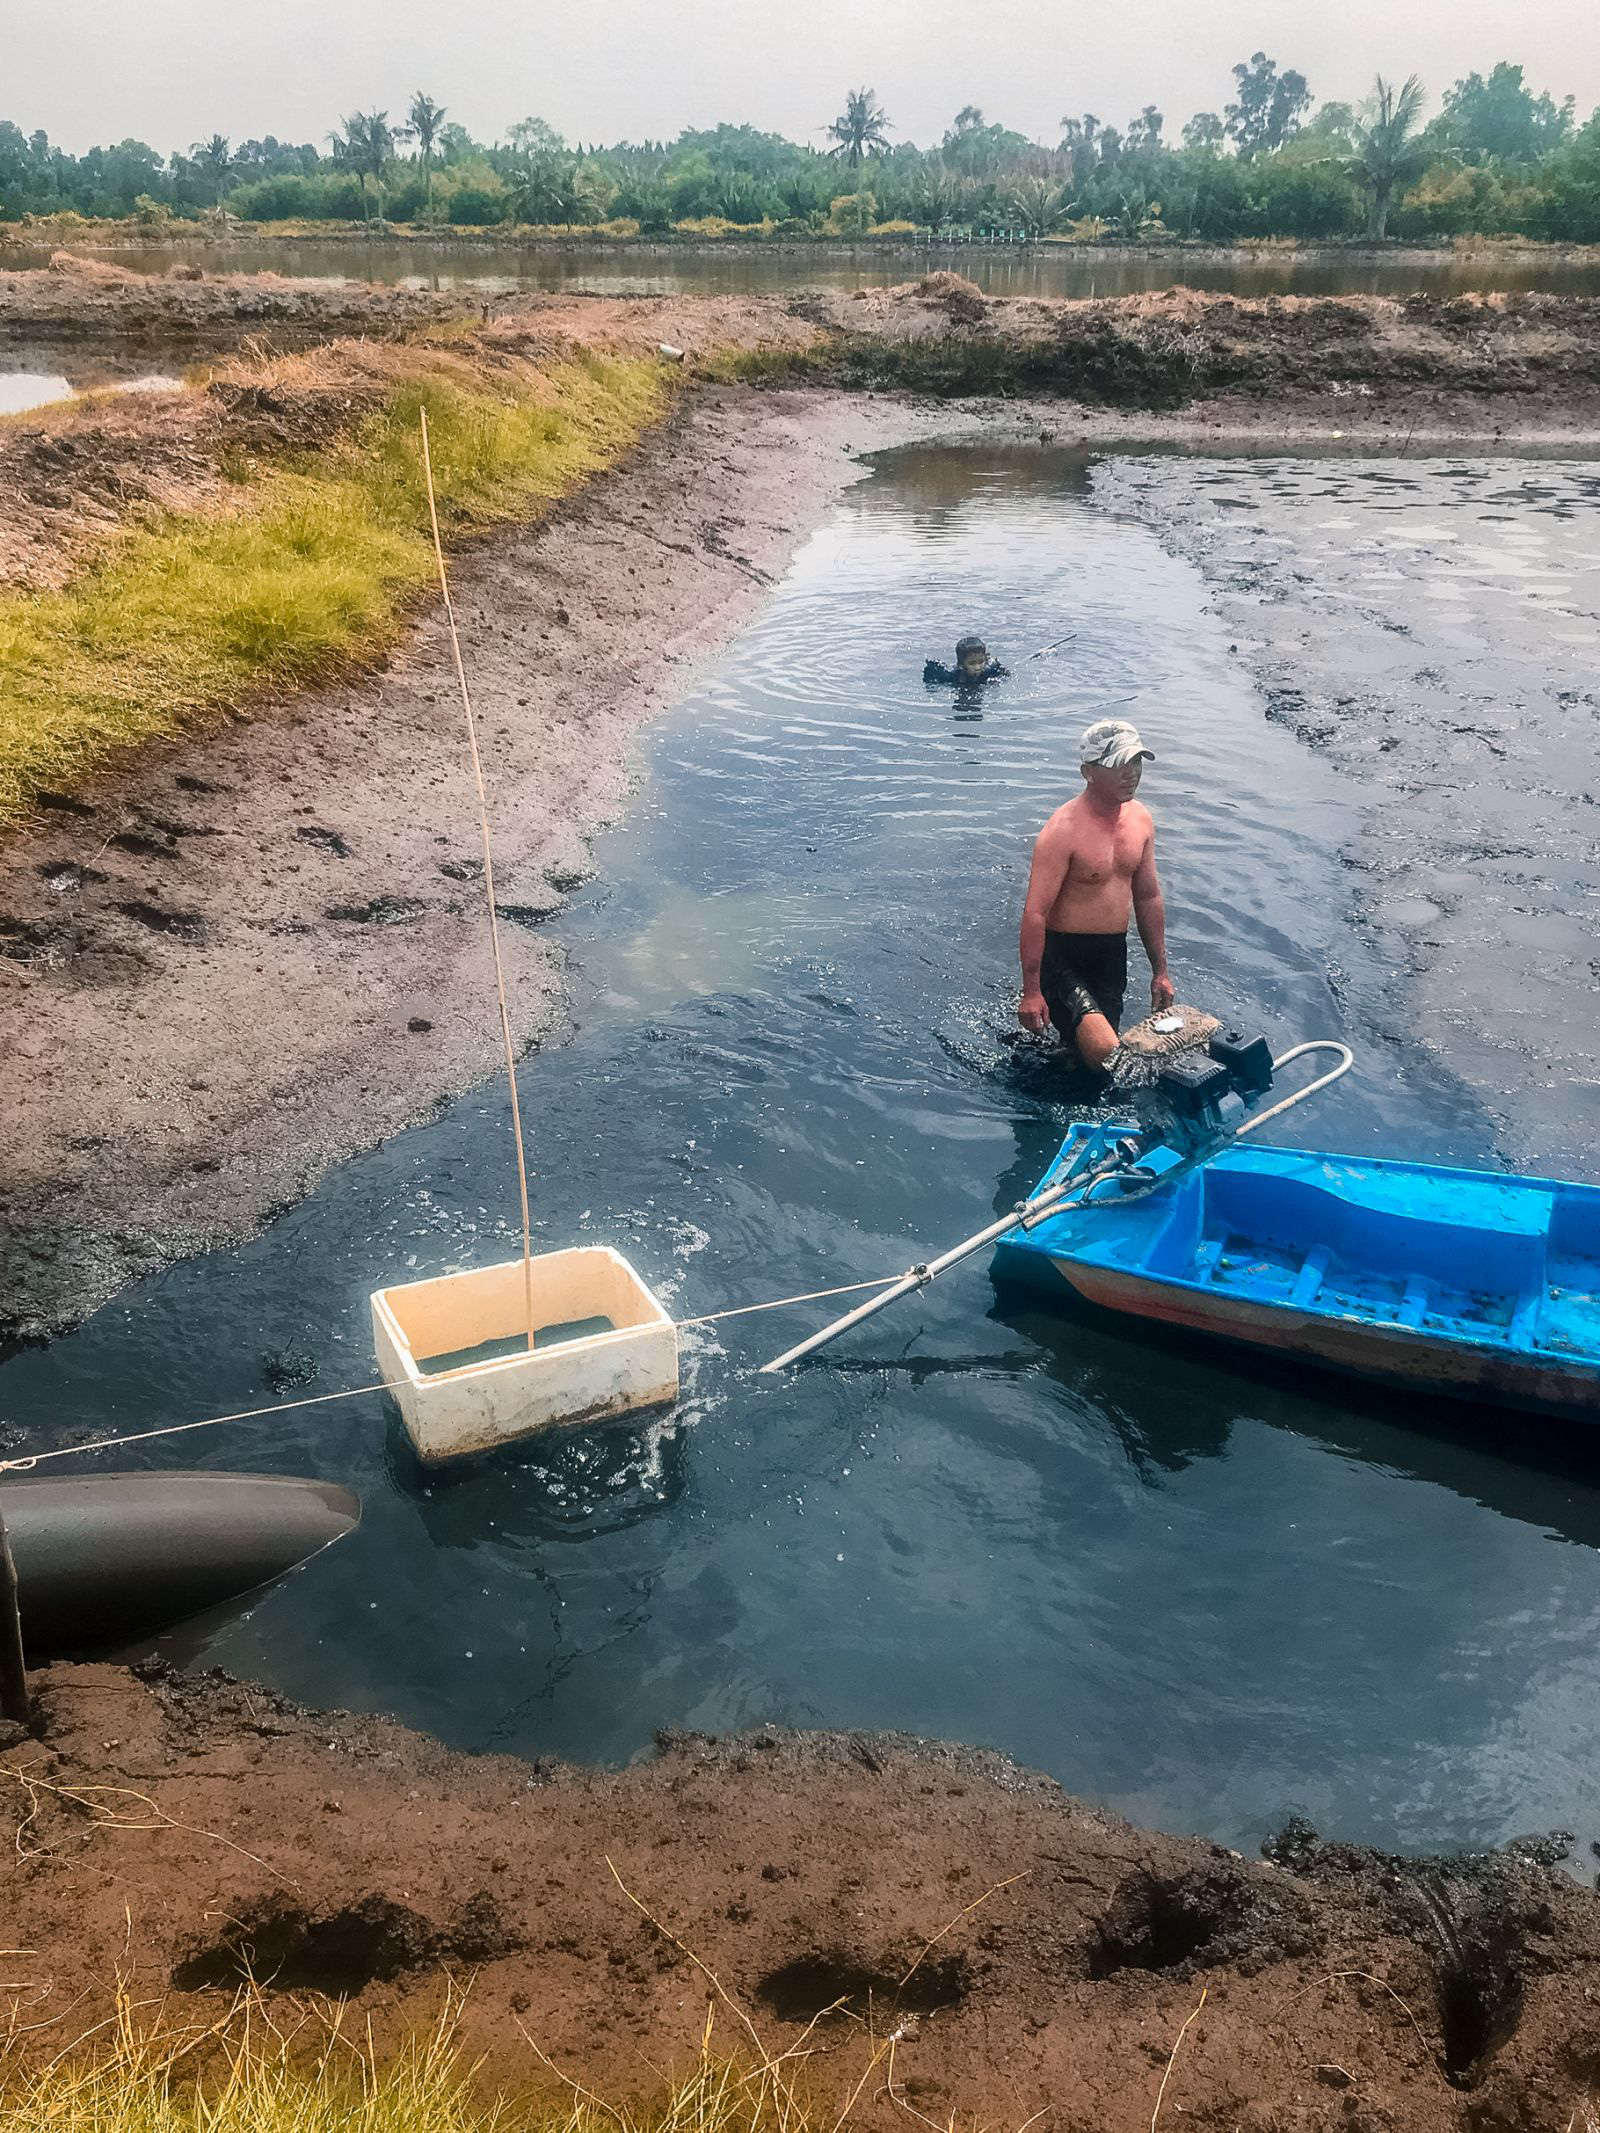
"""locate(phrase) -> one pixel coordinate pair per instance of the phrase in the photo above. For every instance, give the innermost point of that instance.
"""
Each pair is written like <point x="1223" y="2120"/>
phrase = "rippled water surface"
<point x="1049" y="270"/>
<point x="1206" y="1593"/>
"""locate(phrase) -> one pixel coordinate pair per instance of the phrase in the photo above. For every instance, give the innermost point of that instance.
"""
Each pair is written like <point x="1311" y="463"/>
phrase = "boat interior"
<point x="1462" y="1255"/>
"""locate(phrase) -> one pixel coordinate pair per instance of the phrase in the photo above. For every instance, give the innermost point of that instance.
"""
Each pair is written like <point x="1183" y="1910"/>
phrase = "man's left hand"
<point x="1162" y="993"/>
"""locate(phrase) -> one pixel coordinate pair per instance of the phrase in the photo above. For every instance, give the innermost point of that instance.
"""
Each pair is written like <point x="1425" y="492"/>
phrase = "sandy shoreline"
<point x="1032" y="1953"/>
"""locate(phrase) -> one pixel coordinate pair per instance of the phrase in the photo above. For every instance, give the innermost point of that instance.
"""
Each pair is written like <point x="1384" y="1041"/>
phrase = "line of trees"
<point x="1496" y="158"/>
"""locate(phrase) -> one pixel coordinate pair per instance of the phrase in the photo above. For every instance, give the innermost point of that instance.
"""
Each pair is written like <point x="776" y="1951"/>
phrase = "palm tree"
<point x="1389" y="154"/>
<point x="559" y="189"/>
<point x="367" y="146"/>
<point x="862" y="128"/>
<point x="214" y="160"/>
<point x="1040" y="206"/>
<point x="426" y="121"/>
<point x="938" y="196"/>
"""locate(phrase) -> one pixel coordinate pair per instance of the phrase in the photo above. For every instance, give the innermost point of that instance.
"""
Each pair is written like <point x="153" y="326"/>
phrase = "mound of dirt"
<point x="959" y="299"/>
<point x="1028" y="1952"/>
<point x="1177" y="346"/>
<point x="83" y="300"/>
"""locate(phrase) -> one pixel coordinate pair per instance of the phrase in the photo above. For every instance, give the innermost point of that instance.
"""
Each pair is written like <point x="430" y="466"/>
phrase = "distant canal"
<point x="1023" y="270"/>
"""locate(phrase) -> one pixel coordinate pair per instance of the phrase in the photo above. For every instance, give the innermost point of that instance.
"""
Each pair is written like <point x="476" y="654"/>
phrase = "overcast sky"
<point x="173" y="71"/>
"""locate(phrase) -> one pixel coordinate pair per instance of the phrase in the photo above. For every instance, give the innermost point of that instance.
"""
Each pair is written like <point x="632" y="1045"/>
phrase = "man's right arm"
<point x="1052" y="855"/>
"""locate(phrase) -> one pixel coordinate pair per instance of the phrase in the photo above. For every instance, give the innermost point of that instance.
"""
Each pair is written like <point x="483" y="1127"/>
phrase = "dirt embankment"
<point x="1030" y="1954"/>
<point x="76" y="474"/>
<point x="76" y="299"/>
<point x="1531" y="357"/>
<point x="939" y="333"/>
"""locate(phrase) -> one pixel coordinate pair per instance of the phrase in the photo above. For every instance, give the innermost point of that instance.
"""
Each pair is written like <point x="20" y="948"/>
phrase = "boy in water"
<point x="973" y="665"/>
<point x="1094" y="865"/>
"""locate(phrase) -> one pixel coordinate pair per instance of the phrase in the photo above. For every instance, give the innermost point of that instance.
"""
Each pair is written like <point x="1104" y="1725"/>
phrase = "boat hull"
<point x="1386" y="1355"/>
<point x="105" y="1558"/>
<point x="1463" y="1283"/>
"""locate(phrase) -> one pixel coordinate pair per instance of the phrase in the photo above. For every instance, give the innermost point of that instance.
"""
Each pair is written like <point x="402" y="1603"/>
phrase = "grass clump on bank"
<point x="257" y="2070"/>
<point x="310" y="561"/>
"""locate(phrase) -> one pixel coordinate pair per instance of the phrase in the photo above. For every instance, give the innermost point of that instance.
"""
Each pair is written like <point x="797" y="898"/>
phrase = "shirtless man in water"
<point x="1095" y="860"/>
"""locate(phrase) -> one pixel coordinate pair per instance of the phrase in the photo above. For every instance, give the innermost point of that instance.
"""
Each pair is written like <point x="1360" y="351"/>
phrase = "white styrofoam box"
<point x="479" y="1405"/>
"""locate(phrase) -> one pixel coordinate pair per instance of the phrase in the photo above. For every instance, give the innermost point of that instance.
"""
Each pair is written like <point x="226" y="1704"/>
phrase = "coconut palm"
<point x="366" y="145"/>
<point x="560" y="189"/>
<point x="861" y="129"/>
<point x="214" y="161"/>
<point x="426" y="120"/>
<point x="1389" y="153"/>
<point x="1040" y="206"/>
<point x="938" y="197"/>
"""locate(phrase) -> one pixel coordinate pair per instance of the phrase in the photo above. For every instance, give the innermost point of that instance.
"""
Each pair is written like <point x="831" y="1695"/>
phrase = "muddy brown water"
<point x="1207" y="1592"/>
<point x="673" y="270"/>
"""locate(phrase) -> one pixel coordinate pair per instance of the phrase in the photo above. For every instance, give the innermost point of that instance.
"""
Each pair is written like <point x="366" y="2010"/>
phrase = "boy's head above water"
<point x="972" y="655"/>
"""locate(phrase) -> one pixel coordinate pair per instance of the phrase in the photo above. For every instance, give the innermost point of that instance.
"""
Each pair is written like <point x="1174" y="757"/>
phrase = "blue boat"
<point x="1453" y="1281"/>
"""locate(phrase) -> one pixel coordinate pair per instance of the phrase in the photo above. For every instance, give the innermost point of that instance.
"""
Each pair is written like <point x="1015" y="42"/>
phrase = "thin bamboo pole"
<point x="13" y="1667"/>
<point x="488" y="878"/>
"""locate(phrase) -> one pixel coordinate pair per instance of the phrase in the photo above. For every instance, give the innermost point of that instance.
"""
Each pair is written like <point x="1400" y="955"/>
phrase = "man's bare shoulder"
<point x="1062" y="823"/>
<point x="1140" y="817"/>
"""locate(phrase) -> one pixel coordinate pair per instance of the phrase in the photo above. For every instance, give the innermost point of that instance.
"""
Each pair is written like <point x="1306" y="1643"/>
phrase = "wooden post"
<point x="13" y="1671"/>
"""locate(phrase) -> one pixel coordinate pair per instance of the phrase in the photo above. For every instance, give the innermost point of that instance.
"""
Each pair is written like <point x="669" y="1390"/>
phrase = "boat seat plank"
<point x="1415" y="1302"/>
<point x="1311" y="1276"/>
<point x="1525" y="1318"/>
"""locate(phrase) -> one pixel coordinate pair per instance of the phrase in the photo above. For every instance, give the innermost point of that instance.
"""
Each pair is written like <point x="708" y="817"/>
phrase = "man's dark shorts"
<point x="1083" y="974"/>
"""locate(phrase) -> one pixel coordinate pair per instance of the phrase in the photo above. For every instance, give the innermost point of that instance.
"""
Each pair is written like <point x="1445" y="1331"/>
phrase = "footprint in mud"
<point x="144" y="846"/>
<point x="382" y="911"/>
<point x="526" y="914"/>
<point x="69" y="951"/>
<point x="326" y="840"/>
<point x="182" y="925"/>
<point x="66" y="877"/>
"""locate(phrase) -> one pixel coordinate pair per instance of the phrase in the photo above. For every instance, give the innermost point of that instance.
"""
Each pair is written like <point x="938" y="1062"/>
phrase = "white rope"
<point x="25" y="1462"/>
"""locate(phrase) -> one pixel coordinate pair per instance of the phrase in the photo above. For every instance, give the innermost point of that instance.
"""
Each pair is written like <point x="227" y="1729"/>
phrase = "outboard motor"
<point x="1205" y="1096"/>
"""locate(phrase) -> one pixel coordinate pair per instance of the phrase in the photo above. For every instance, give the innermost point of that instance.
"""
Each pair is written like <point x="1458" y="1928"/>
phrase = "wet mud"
<point x="1028" y="1953"/>
<point x="1431" y="627"/>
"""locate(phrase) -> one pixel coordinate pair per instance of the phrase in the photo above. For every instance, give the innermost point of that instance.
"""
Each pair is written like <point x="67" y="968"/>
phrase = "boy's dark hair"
<point x="970" y="644"/>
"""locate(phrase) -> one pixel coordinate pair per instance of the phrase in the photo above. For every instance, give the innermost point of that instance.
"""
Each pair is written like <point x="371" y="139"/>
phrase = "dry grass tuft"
<point x="305" y="2066"/>
<point x="260" y="2069"/>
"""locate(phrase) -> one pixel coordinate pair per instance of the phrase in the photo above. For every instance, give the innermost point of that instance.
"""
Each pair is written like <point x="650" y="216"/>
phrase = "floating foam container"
<point x="603" y="1345"/>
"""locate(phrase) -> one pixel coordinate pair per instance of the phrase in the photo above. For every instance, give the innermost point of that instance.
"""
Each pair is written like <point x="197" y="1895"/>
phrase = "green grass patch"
<point x="317" y="566"/>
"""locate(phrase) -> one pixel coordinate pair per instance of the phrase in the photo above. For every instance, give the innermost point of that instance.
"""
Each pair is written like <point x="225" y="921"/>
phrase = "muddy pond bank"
<point x="1030" y="1954"/>
<point x="264" y="949"/>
